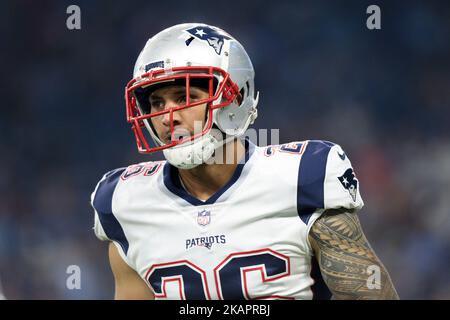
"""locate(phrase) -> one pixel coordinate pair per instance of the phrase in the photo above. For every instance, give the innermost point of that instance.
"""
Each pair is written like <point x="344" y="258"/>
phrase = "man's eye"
<point x="182" y="100"/>
<point x="157" y="104"/>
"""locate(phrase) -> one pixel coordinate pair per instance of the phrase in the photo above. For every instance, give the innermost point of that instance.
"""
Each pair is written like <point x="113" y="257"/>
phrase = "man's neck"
<point x="206" y="179"/>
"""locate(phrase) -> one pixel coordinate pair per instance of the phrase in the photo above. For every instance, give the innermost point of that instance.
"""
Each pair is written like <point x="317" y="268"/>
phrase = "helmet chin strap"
<point x="190" y="155"/>
<point x="199" y="151"/>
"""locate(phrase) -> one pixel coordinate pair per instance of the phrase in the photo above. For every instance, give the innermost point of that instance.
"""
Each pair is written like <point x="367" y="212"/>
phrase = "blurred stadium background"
<point x="383" y="95"/>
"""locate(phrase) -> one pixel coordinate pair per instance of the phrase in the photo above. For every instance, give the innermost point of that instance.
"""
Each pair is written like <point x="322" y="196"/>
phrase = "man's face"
<point x="183" y="120"/>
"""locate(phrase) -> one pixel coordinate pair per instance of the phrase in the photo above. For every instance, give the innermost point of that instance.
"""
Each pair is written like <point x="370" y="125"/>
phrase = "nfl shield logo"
<point x="204" y="217"/>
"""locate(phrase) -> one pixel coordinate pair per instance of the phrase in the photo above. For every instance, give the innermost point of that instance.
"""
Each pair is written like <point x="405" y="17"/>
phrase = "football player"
<point x="222" y="218"/>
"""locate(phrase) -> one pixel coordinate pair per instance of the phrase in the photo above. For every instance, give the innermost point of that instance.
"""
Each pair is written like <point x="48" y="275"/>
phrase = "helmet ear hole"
<point x="243" y="93"/>
<point x="240" y="97"/>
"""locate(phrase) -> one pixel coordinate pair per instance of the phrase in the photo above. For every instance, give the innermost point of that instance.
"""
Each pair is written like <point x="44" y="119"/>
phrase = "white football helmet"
<point x="193" y="54"/>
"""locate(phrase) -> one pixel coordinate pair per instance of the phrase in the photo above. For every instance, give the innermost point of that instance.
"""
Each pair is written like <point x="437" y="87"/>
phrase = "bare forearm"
<point x="348" y="264"/>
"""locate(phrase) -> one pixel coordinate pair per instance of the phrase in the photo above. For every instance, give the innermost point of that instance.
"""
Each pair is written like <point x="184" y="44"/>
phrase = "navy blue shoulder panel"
<point x="103" y="205"/>
<point x="311" y="177"/>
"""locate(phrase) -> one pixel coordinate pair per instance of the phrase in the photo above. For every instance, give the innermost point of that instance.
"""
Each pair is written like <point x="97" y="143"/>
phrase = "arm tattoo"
<point x="346" y="259"/>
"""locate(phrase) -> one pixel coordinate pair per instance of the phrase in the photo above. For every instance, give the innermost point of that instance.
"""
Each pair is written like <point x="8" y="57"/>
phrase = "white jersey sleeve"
<point x="98" y="229"/>
<point x="326" y="180"/>
<point x="106" y="225"/>
<point x="341" y="187"/>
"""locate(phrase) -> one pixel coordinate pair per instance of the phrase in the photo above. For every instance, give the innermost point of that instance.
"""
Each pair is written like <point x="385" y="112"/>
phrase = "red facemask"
<point x="136" y="97"/>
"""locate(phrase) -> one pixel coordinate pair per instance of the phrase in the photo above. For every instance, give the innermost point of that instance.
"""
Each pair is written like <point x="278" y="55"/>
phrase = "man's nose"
<point x="166" y="116"/>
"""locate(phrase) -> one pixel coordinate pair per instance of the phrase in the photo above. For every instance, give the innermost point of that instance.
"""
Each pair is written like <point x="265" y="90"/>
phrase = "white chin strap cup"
<point x="190" y="155"/>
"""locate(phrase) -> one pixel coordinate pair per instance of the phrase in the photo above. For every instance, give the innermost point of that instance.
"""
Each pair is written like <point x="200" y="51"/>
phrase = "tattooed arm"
<point x="346" y="258"/>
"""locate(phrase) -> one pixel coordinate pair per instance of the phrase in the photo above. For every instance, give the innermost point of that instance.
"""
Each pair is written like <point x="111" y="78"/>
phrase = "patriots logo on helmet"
<point x="349" y="182"/>
<point x="214" y="38"/>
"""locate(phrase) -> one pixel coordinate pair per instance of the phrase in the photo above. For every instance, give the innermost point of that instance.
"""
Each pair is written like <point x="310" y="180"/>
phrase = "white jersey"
<point x="248" y="241"/>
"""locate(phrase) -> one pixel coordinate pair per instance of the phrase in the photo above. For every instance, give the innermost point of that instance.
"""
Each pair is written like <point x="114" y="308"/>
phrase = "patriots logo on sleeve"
<point x="349" y="182"/>
<point x="214" y="38"/>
